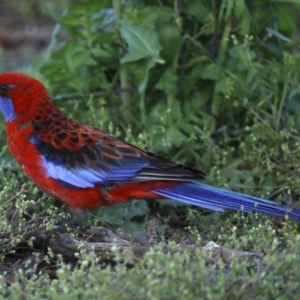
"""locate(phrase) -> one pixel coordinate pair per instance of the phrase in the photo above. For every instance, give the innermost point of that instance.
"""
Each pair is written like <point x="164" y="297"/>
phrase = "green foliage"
<point x="212" y="85"/>
<point x="160" y="275"/>
<point x="23" y="210"/>
<point x="188" y="74"/>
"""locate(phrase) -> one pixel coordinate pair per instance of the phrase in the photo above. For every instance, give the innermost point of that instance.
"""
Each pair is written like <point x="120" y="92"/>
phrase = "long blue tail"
<point x="217" y="199"/>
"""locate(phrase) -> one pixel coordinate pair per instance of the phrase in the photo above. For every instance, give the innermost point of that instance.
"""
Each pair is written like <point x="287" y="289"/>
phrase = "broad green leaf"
<point x="80" y="59"/>
<point x="199" y="9"/>
<point x="136" y="209"/>
<point x="114" y="214"/>
<point x="174" y="136"/>
<point x="142" y="43"/>
<point x="105" y="18"/>
<point x="242" y="12"/>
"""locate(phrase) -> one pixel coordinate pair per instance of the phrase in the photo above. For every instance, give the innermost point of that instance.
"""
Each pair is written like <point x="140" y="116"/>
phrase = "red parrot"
<point x="87" y="168"/>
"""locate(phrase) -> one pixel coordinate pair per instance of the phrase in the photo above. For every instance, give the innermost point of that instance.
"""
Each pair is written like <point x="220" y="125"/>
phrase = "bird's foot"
<point x="76" y="217"/>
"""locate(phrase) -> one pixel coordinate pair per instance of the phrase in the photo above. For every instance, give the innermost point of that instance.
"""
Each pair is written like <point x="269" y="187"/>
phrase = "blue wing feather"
<point x="78" y="170"/>
<point x="107" y="164"/>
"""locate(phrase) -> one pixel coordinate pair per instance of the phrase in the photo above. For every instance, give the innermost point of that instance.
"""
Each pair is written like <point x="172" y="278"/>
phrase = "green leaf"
<point x="278" y="35"/>
<point x="199" y="9"/>
<point x="220" y="86"/>
<point x="242" y="12"/>
<point x="168" y="82"/>
<point x="114" y="215"/>
<point x="169" y="37"/>
<point x="212" y="71"/>
<point x="137" y="208"/>
<point x="80" y="59"/>
<point x="89" y="7"/>
<point x="69" y="20"/>
<point x="286" y="16"/>
<point x="174" y="136"/>
<point x="105" y="20"/>
<point x="142" y="43"/>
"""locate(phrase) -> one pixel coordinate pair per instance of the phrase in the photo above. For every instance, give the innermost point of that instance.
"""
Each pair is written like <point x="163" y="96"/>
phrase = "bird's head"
<point x="21" y="96"/>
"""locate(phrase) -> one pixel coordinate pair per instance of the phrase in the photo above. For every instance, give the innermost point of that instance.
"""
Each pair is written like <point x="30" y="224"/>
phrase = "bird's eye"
<point x="4" y="88"/>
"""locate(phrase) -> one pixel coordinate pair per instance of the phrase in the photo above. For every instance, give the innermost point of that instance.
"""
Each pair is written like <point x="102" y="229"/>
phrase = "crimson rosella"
<point x="87" y="168"/>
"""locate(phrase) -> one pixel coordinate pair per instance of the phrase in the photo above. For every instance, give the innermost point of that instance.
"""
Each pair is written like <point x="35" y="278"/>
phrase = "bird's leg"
<point x="77" y="216"/>
<point x="104" y="189"/>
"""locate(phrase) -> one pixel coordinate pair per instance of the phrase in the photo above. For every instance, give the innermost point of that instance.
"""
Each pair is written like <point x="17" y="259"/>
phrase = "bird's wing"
<point x="84" y="156"/>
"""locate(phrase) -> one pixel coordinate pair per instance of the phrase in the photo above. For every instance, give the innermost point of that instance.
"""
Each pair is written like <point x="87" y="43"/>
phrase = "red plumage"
<point x="87" y="168"/>
<point x="37" y="115"/>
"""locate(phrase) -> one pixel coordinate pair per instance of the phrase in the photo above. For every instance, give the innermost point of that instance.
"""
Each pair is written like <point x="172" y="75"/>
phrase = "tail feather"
<point x="217" y="199"/>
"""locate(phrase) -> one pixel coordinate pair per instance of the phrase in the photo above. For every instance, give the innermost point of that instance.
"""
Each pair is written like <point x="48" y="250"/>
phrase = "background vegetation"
<point x="210" y="84"/>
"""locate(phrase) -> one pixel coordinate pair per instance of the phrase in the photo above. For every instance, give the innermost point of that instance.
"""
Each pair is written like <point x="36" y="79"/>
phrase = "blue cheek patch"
<point x="7" y="109"/>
